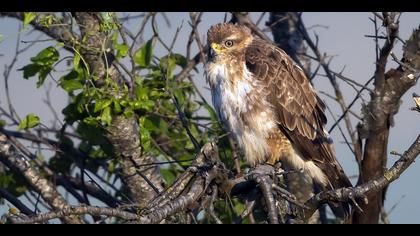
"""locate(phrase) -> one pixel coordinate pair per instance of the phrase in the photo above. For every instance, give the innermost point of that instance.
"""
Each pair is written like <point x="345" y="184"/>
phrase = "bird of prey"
<point x="266" y="102"/>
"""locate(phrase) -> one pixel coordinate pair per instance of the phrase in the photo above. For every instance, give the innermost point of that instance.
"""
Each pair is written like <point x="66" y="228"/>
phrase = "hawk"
<point x="269" y="106"/>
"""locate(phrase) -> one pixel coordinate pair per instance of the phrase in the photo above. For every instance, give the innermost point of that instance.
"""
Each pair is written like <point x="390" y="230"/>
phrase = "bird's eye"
<point x="228" y="43"/>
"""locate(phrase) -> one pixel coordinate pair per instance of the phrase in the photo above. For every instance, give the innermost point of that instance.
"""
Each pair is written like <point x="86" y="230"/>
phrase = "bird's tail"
<point x="338" y="179"/>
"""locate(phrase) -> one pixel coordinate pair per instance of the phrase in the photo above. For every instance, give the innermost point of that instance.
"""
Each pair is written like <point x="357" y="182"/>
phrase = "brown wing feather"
<point x="300" y="112"/>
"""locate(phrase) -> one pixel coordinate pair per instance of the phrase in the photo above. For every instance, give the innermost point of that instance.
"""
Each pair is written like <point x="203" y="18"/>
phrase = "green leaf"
<point x="91" y="121"/>
<point x="179" y="59"/>
<point x="141" y="93"/>
<point x="102" y="104"/>
<point x="189" y="145"/>
<point x="114" y="37"/>
<point x="65" y="140"/>
<point x="71" y="82"/>
<point x="71" y="85"/>
<point x="111" y="167"/>
<point x="143" y="55"/>
<point x="6" y="180"/>
<point x="106" y="116"/>
<point x="60" y="45"/>
<point x="180" y="97"/>
<point x="167" y="175"/>
<point x="138" y="80"/>
<point x="122" y="50"/>
<point x="155" y="74"/>
<point x="128" y="113"/>
<point x="117" y="106"/>
<point x="75" y="110"/>
<point x="42" y="76"/>
<point x="76" y="60"/>
<point x="148" y="105"/>
<point x="92" y="133"/>
<point x="1" y="37"/>
<point x="42" y="64"/>
<point x="155" y="123"/>
<point x="30" y="70"/>
<point x="145" y="138"/>
<point x="46" y="57"/>
<point x="28" y="17"/>
<point x="30" y="121"/>
<point x="168" y="64"/>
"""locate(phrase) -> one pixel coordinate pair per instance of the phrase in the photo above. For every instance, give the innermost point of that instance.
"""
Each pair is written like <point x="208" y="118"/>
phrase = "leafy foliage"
<point x="42" y="65"/>
<point x="30" y="121"/>
<point x="143" y="55"/>
<point x="150" y="99"/>
<point x="28" y="17"/>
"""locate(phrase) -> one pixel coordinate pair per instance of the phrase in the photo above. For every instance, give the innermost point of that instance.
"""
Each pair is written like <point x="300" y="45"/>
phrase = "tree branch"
<point x="15" y="161"/>
<point x="123" y="132"/>
<point x="58" y="30"/>
<point x="378" y="115"/>
<point x="15" y="201"/>
<point x="73" y="211"/>
<point x="372" y="186"/>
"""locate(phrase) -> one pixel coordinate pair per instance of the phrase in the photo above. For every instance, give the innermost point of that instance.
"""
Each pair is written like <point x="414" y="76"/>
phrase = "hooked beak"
<point x="214" y="50"/>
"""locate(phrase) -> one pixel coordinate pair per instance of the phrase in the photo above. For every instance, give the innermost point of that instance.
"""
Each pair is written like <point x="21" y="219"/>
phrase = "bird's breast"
<point x="241" y="106"/>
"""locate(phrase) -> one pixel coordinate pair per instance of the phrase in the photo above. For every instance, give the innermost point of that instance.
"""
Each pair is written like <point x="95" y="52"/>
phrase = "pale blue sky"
<point x="343" y="37"/>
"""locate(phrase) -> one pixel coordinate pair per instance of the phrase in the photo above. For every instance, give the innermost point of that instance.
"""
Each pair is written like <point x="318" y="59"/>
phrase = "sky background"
<point x="340" y="34"/>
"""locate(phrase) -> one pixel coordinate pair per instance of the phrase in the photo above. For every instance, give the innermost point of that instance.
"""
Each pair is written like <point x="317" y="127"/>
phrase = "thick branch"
<point x="15" y="161"/>
<point x="379" y="113"/>
<point x="206" y="169"/>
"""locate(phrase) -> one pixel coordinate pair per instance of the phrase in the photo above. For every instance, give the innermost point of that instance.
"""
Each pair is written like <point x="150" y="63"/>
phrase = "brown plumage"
<point x="269" y="105"/>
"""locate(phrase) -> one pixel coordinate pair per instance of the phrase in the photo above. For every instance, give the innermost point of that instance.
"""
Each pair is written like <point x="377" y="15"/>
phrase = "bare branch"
<point x="243" y="19"/>
<point x="15" y="201"/>
<point x="74" y="211"/>
<point x="11" y="158"/>
<point x="374" y="185"/>
<point x="392" y="30"/>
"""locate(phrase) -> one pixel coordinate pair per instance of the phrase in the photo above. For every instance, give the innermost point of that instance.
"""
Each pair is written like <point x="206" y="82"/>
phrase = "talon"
<point x="355" y="204"/>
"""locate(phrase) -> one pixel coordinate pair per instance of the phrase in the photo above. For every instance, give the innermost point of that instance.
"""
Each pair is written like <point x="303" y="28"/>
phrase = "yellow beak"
<point x="216" y="47"/>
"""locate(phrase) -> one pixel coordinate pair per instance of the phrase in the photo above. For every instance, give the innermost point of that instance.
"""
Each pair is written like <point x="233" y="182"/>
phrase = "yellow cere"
<point x="215" y="47"/>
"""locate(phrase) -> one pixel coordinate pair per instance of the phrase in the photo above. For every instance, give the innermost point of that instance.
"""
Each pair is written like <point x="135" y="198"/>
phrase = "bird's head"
<point x="227" y="40"/>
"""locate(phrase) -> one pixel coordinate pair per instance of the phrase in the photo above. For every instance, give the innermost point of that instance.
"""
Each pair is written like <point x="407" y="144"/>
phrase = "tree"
<point x="135" y="146"/>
